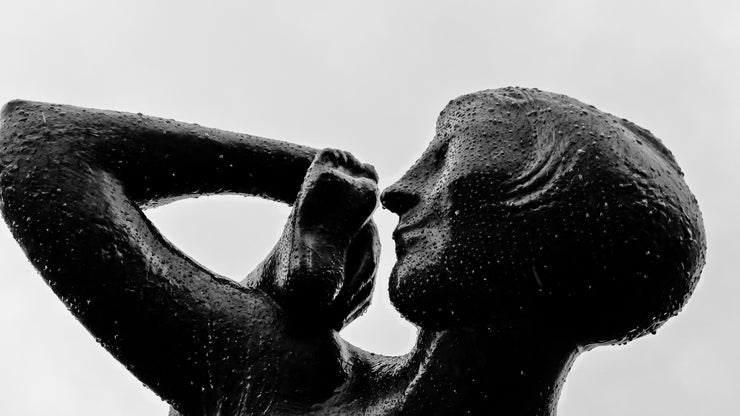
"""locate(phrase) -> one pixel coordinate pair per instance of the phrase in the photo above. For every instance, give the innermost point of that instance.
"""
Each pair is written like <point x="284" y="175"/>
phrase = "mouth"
<point x="407" y="235"/>
<point x="405" y="238"/>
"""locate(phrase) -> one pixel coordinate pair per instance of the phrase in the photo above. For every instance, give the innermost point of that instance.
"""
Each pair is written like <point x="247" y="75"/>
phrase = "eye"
<point x="441" y="153"/>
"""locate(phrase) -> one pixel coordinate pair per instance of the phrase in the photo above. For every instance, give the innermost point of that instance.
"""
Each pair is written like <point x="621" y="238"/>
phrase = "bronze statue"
<point x="533" y="228"/>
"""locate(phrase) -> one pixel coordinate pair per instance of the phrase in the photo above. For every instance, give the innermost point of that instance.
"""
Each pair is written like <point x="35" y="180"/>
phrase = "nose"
<point x="399" y="198"/>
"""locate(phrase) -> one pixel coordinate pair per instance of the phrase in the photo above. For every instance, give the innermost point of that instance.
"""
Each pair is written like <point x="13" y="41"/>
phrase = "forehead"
<point x="466" y="113"/>
<point x="486" y="129"/>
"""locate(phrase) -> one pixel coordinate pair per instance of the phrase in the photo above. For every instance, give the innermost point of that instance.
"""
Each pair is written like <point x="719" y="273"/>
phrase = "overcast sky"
<point x="371" y="77"/>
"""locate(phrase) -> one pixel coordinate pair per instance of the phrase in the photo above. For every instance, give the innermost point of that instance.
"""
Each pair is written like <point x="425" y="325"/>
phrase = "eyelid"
<point x="441" y="152"/>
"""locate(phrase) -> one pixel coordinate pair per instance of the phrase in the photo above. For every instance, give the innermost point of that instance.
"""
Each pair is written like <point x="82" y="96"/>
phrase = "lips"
<point x="405" y="238"/>
<point x="404" y="227"/>
<point x="408" y="233"/>
<point x="401" y="243"/>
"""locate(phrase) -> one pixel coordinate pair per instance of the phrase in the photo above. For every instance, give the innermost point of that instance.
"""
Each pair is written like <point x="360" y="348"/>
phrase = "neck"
<point x="497" y="370"/>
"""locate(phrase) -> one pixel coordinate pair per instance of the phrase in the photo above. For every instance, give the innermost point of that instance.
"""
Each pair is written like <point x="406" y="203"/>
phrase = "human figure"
<point x="533" y="228"/>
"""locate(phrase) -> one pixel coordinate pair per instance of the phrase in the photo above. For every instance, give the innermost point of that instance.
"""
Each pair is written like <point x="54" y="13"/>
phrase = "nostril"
<point x="398" y="201"/>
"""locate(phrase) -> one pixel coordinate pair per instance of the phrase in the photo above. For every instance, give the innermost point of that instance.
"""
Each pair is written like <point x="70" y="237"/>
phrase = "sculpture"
<point x="533" y="228"/>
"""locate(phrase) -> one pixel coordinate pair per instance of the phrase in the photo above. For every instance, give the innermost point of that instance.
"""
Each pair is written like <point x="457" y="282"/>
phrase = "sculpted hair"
<point x="585" y="215"/>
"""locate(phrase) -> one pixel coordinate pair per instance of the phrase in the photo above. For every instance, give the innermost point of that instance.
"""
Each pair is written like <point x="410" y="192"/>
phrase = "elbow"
<point x="21" y="117"/>
<point x="28" y="140"/>
<point x="13" y="107"/>
<point x="26" y="158"/>
<point x="18" y="116"/>
<point x="10" y="116"/>
<point x="12" y="120"/>
<point x="19" y="120"/>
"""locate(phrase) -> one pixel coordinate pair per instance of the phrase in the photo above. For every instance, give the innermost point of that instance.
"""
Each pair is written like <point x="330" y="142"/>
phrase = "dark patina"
<point x="533" y="228"/>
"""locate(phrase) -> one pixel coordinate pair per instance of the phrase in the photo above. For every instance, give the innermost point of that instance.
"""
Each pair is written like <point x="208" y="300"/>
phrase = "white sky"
<point x="371" y="77"/>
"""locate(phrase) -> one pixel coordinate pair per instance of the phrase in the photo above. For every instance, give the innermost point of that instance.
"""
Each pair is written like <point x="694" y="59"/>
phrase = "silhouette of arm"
<point x="72" y="182"/>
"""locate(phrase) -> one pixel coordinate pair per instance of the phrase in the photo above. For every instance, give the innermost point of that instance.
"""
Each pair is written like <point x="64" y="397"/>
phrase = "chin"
<point x="433" y="301"/>
<point x="438" y="296"/>
<point x="418" y="305"/>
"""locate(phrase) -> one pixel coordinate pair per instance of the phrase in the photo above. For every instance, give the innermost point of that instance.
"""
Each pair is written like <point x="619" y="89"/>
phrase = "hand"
<point x="324" y="264"/>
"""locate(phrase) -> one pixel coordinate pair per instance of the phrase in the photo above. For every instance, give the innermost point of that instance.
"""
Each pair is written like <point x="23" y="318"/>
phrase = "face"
<point x="532" y="206"/>
<point x="451" y="206"/>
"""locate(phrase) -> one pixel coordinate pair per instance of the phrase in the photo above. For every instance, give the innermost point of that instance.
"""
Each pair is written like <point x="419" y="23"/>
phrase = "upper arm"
<point x="192" y="336"/>
<point x="171" y="322"/>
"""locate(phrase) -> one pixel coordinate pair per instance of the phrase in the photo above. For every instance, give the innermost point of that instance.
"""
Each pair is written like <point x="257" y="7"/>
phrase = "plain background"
<point x="371" y="77"/>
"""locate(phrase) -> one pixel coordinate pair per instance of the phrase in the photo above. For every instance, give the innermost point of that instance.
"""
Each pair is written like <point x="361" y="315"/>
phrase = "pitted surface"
<point x="533" y="228"/>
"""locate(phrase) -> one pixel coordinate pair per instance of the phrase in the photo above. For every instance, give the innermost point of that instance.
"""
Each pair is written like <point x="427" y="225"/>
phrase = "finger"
<point x="369" y="172"/>
<point x="360" y="269"/>
<point x="348" y="163"/>
<point x="362" y="256"/>
<point x="327" y="155"/>
<point x="342" y="318"/>
<point x="360" y="169"/>
<point x="342" y="312"/>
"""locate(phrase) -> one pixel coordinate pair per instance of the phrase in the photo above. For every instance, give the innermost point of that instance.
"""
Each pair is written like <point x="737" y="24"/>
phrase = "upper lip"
<point x="403" y="229"/>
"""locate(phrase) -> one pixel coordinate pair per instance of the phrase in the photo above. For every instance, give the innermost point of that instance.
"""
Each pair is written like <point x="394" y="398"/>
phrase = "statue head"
<point x="532" y="206"/>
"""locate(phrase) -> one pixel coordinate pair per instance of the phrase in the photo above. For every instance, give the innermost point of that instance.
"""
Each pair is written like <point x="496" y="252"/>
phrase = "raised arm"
<point x="72" y="181"/>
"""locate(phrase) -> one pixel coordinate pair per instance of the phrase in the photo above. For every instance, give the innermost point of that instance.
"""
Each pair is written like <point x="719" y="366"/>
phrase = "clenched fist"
<point x="324" y="264"/>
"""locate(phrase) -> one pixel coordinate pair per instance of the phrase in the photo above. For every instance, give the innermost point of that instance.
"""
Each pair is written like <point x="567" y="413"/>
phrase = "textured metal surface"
<point x="534" y="227"/>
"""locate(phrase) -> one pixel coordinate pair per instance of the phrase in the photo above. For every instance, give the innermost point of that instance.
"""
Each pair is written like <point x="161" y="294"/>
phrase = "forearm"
<point x="159" y="160"/>
<point x="70" y="191"/>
